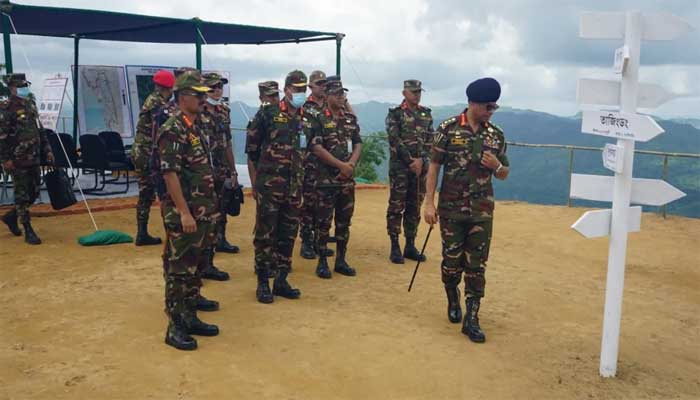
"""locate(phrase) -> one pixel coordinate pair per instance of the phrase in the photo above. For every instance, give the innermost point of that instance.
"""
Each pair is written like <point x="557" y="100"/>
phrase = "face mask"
<point x="213" y="102"/>
<point x="23" y="92"/>
<point x="298" y="99"/>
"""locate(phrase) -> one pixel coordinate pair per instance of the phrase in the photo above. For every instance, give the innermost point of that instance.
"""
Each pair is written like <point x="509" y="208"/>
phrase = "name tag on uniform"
<point x="281" y="119"/>
<point x="458" y="141"/>
<point x="329" y="125"/>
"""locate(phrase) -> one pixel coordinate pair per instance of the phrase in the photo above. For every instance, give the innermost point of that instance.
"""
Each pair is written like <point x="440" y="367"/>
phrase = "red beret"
<point x="164" y="78"/>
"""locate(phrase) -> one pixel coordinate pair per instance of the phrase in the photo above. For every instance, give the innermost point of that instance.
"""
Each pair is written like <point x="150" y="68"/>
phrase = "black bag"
<point x="60" y="189"/>
<point x="232" y="199"/>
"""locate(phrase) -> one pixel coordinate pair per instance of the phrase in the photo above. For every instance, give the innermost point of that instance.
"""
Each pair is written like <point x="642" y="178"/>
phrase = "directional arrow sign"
<point x="611" y="25"/>
<point x="648" y="192"/>
<point x="593" y="224"/>
<point x="620" y="125"/>
<point x="607" y="93"/>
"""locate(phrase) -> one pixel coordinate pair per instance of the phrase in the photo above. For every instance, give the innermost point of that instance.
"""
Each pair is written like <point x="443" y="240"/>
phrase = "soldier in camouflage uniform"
<point x="410" y="128"/>
<point x="22" y="143"/>
<point x="329" y="132"/>
<point x="269" y="92"/>
<point x="472" y="150"/>
<point x="315" y="102"/>
<point x="275" y="166"/>
<point x="141" y="151"/>
<point x="215" y="119"/>
<point x="189" y="210"/>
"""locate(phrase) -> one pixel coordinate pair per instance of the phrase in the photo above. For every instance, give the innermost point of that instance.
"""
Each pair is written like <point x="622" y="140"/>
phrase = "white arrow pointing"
<point x="593" y="224"/>
<point x="620" y="125"/>
<point x="607" y="93"/>
<point x="611" y="25"/>
<point x="648" y="192"/>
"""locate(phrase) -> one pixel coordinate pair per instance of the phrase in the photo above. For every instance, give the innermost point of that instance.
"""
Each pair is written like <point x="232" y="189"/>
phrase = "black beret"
<point x="484" y="90"/>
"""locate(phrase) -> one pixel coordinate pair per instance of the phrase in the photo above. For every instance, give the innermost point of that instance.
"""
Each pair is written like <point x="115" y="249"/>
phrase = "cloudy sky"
<point x="530" y="46"/>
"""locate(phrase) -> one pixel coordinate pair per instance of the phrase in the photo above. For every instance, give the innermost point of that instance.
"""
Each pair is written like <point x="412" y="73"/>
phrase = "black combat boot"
<point x="322" y="270"/>
<point x="395" y="255"/>
<point x="470" y="326"/>
<point x="212" y="272"/>
<point x="204" y="304"/>
<point x="10" y="219"/>
<point x="454" y="310"/>
<point x="201" y="328"/>
<point x="222" y="245"/>
<point x="177" y="335"/>
<point x="263" y="291"/>
<point x="411" y="252"/>
<point x="142" y="236"/>
<point x="341" y="266"/>
<point x="281" y="287"/>
<point x="307" y="244"/>
<point x="29" y="235"/>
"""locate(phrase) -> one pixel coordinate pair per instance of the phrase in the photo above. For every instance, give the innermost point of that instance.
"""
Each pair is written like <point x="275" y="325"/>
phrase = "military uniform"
<point x="465" y="207"/>
<point x="410" y="135"/>
<point x="23" y="142"/>
<point x="273" y="146"/>
<point x="334" y="133"/>
<point x="141" y="152"/>
<point x="183" y="150"/>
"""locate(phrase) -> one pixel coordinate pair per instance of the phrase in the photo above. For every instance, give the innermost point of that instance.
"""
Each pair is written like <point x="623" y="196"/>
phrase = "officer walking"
<point x="141" y="151"/>
<point x="329" y="132"/>
<point x="410" y="128"/>
<point x="189" y="210"/>
<point x="275" y="166"/>
<point x="472" y="150"/>
<point x="22" y="143"/>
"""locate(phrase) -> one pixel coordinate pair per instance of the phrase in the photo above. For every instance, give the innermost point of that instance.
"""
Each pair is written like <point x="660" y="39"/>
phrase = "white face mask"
<point x="213" y="102"/>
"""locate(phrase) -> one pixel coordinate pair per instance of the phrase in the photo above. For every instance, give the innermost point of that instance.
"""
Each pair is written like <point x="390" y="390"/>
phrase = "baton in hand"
<point x="420" y="258"/>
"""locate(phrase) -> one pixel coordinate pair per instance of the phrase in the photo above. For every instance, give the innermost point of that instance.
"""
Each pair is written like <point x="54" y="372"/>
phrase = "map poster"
<point x="51" y="101"/>
<point x="103" y="104"/>
<point x="140" y="82"/>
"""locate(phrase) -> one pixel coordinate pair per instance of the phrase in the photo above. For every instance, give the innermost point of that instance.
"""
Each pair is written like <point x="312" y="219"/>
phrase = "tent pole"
<point x="7" y="43"/>
<point x="198" y="44"/>
<point x="76" y="48"/>
<point x="338" y="41"/>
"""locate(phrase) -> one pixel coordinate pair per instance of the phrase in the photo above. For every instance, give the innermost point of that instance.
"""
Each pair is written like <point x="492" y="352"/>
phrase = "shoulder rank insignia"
<point x="280" y="118"/>
<point x="448" y="122"/>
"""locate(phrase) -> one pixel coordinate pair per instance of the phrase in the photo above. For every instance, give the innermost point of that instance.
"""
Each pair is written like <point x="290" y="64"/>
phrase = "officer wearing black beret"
<point x="472" y="150"/>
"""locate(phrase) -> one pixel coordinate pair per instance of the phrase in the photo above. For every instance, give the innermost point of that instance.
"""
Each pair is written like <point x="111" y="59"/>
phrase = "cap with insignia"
<point x="484" y="90"/>
<point x="212" y="79"/>
<point x="190" y="80"/>
<point x="16" y="80"/>
<point x="317" y="77"/>
<point x="413" y="85"/>
<point x="268" y="88"/>
<point x="334" y="85"/>
<point x="295" y="78"/>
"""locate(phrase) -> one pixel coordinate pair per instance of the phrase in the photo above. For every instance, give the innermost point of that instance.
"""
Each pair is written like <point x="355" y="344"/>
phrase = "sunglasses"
<point x="492" y="107"/>
<point x="218" y="86"/>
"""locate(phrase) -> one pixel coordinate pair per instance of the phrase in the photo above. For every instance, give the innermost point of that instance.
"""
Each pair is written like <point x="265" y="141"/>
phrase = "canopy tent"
<point x="103" y="25"/>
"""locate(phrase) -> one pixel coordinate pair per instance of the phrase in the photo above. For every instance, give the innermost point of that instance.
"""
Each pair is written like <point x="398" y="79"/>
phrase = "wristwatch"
<point x="500" y="166"/>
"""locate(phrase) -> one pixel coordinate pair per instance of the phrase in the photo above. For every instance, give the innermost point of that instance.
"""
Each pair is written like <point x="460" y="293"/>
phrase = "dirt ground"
<point x="88" y="323"/>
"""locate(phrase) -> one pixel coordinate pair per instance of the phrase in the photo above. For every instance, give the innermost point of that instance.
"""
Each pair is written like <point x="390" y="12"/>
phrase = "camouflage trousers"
<point x="310" y="199"/>
<point x="26" y="183"/>
<point x="147" y="195"/>
<point x="276" y="228"/>
<point x="182" y="265"/>
<point x="340" y="200"/>
<point x="465" y="249"/>
<point x="405" y="199"/>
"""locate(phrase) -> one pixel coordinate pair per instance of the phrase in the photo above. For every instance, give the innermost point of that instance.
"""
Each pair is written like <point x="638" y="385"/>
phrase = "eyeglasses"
<point x="218" y="86"/>
<point x="492" y="107"/>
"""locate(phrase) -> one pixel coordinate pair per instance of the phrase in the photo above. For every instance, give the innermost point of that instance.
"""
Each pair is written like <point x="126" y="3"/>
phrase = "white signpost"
<point x="628" y="94"/>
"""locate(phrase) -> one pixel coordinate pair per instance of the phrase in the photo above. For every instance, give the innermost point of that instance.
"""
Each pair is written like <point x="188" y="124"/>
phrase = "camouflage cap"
<point x="317" y="77"/>
<point x="212" y="78"/>
<point x="413" y="85"/>
<point x="295" y="78"/>
<point x="334" y="85"/>
<point x="268" y="88"/>
<point x="190" y="80"/>
<point x="16" y="80"/>
<point x="178" y="71"/>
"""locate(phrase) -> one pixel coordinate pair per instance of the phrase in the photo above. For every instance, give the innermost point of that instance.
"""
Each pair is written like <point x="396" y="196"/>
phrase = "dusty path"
<point x="87" y="323"/>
